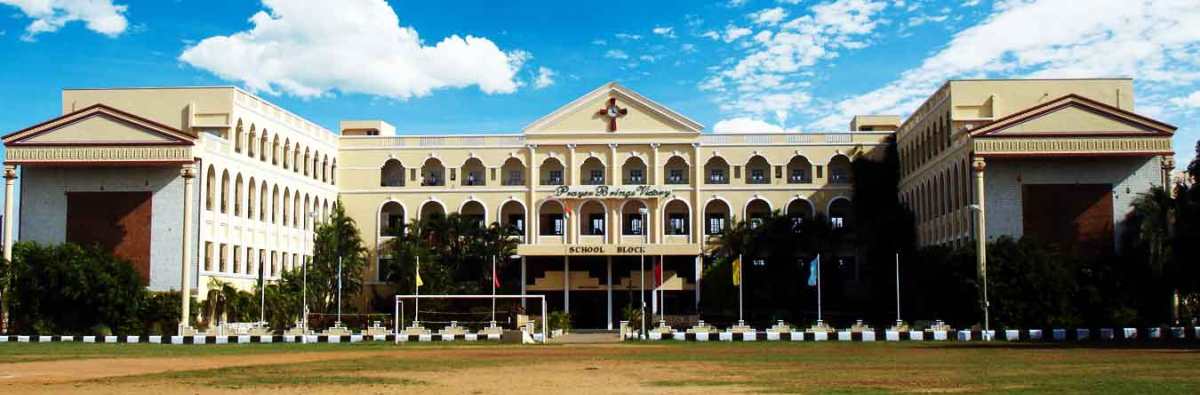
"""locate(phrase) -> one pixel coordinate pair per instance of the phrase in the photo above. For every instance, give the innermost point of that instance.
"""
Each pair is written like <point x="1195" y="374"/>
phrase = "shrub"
<point x="69" y="289"/>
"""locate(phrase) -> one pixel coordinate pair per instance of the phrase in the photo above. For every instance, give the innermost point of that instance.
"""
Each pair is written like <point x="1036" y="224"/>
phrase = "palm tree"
<point x="1152" y="220"/>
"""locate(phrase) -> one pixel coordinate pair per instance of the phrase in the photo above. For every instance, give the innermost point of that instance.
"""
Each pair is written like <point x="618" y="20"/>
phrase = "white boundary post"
<point x="545" y="333"/>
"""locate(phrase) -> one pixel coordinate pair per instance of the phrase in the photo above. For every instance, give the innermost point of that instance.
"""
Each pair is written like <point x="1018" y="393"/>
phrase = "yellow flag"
<point x="737" y="272"/>
<point x="419" y="282"/>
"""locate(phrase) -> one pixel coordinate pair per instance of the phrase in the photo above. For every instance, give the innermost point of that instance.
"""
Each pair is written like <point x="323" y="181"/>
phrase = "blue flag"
<point x="812" y="272"/>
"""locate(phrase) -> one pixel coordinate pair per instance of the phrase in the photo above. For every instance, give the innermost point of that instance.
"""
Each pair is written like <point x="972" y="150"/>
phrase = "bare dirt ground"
<point x="616" y="368"/>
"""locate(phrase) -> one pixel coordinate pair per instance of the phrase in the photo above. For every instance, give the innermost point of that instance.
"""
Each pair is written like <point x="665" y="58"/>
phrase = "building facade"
<point x="230" y="186"/>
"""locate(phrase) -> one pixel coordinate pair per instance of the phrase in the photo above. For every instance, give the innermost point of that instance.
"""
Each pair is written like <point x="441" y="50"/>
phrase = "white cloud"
<point x="770" y="16"/>
<point x="711" y="34"/>
<point x="545" y="78"/>
<point x="616" y="54"/>
<point x="599" y="42"/>
<point x="735" y="3"/>
<point x="353" y="46"/>
<point x="1153" y="41"/>
<point x="922" y="19"/>
<point x="668" y="32"/>
<point x="1189" y="101"/>
<point x="688" y="48"/>
<point x="745" y="125"/>
<point x="627" y="36"/>
<point x="771" y="76"/>
<point x="733" y="33"/>
<point x="100" y="16"/>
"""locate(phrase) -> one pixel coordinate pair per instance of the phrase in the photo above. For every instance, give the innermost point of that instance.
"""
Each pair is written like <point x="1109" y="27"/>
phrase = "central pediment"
<point x="613" y="108"/>
<point x="1074" y="116"/>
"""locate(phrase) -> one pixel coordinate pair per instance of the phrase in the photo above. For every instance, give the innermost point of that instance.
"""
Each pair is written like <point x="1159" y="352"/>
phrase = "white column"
<point x="188" y="172"/>
<point x="567" y="284"/>
<point x="609" y="291"/>
<point x="10" y="178"/>
<point x="981" y="237"/>
<point x="697" y="226"/>
<point x="533" y="171"/>
<point x="523" y="305"/>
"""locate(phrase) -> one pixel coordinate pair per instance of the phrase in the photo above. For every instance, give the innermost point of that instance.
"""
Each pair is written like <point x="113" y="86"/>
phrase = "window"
<point x="837" y="222"/>
<point x="516" y="223"/>
<point x="636" y="177"/>
<point x="675" y="177"/>
<point x="208" y="256"/>
<point x="717" y="176"/>
<point x="473" y="178"/>
<point x="797" y="222"/>
<point x="597" y="177"/>
<point x="799" y="176"/>
<point x="633" y="225"/>
<point x="597" y="224"/>
<point x="677" y="224"/>
<point x="434" y="178"/>
<point x="224" y="252"/>
<point x="755" y="222"/>
<point x="514" y="178"/>
<point x="758" y="176"/>
<point x="716" y="224"/>
<point x="394" y="225"/>
<point x="556" y="177"/>
<point x="558" y="225"/>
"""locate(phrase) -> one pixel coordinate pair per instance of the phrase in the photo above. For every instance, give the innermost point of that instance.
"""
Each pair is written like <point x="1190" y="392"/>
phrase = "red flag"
<point x="495" y="278"/>
<point x="658" y="275"/>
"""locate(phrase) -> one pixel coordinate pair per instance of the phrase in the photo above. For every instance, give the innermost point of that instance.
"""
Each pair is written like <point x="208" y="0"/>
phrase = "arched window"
<point x="552" y="172"/>
<point x="512" y="172"/>
<point x="392" y="174"/>
<point x="237" y="138"/>
<point x="592" y="172"/>
<point x="238" y="195"/>
<point x="275" y="150"/>
<point x="210" y="185"/>
<point x="633" y="172"/>
<point x="474" y="173"/>
<point x="551" y="221"/>
<point x="473" y="211"/>
<point x="595" y="218"/>
<point x="251" y="142"/>
<point x="716" y="217"/>
<point x="433" y="173"/>
<point x="250" y="191"/>
<point x="716" y="171"/>
<point x="512" y="217"/>
<point x="677" y="170"/>
<point x="839" y="170"/>
<point x="287" y="153"/>
<point x="757" y="211"/>
<point x="758" y="170"/>
<point x="225" y="192"/>
<point x="841" y="213"/>
<point x="677" y="215"/>
<point x="307" y="160"/>
<point x="800" y="211"/>
<point x="287" y="206"/>
<point x="391" y="219"/>
<point x="632" y="222"/>
<point x="432" y="210"/>
<point x="799" y="170"/>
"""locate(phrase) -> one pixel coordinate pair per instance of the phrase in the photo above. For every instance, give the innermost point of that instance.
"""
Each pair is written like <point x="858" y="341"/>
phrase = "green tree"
<point x="455" y="252"/>
<point x="335" y="242"/>
<point x="70" y="289"/>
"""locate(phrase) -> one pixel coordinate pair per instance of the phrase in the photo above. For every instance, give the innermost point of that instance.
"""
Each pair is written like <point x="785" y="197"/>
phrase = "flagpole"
<point x="898" y="288"/>
<point x="662" y="292"/>
<point x="818" y="288"/>
<point x="493" y="288"/>
<point x="417" y="286"/>
<point x="741" y="277"/>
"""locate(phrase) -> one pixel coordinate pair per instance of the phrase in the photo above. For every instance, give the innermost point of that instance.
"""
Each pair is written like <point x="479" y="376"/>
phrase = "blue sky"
<point x="488" y="66"/>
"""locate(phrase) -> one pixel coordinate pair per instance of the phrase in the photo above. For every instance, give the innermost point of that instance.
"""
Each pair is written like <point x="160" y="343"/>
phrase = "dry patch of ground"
<point x="613" y="368"/>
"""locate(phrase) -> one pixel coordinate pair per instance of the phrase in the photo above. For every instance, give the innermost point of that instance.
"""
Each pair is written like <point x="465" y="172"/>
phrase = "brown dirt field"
<point x="621" y="368"/>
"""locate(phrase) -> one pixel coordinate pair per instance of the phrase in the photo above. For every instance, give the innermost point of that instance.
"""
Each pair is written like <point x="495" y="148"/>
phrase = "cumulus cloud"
<point x="745" y="125"/>
<point x="310" y="49"/>
<point x="1157" y="42"/>
<point x="1189" y="101"/>
<point x="665" y="31"/>
<point x="100" y="16"/>
<point x="770" y="77"/>
<point x="732" y="33"/>
<point x="616" y="54"/>
<point x="770" y="16"/>
<point x="545" y="78"/>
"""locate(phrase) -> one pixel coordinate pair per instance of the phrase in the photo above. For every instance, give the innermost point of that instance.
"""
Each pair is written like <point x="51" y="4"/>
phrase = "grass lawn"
<point x="607" y="368"/>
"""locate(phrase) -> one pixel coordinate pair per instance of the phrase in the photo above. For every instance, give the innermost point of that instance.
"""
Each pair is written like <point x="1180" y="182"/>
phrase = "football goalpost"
<point x="416" y="301"/>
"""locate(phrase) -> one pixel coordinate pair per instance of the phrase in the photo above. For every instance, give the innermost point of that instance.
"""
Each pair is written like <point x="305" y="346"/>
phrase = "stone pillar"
<point x="569" y="176"/>
<point x="532" y="171"/>
<point x="614" y="170"/>
<point x="608" y="277"/>
<point x="10" y="179"/>
<point x="188" y="172"/>
<point x="1168" y="165"/>
<point x="523" y="304"/>
<point x="981" y="235"/>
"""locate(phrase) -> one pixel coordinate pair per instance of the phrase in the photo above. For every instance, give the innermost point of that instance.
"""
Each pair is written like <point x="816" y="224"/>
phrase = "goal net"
<point x="471" y="313"/>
